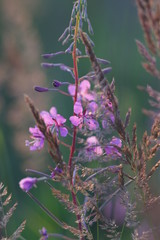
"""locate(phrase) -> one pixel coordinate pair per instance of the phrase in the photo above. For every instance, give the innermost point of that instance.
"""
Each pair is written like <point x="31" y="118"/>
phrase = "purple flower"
<point x="44" y="234"/>
<point x="38" y="139"/>
<point x="57" y="171"/>
<point x="84" y="89"/>
<point x="27" y="183"/>
<point x="55" y="121"/>
<point x="93" y="146"/>
<point x="85" y="117"/>
<point x="112" y="150"/>
<point x="84" y="92"/>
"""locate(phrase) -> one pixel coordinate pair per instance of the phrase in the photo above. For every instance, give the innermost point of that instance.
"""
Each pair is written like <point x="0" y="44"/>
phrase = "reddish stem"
<point x="75" y="69"/>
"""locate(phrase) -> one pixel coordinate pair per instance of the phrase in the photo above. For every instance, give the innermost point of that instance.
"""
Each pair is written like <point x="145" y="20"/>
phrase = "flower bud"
<point x="40" y="89"/>
<point x="27" y="183"/>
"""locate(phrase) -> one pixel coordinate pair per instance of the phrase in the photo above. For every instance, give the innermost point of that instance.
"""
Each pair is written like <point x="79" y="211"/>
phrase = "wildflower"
<point x="44" y="234"/>
<point x="57" y="170"/>
<point x="84" y="89"/>
<point x="55" y="121"/>
<point x="86" y="116"/>
<point x="84" y="92"/>
<point x="112" y="148"/>
<point x="93" y="146"/>
<point x="27" y="183"/>
<point x="38" y="139"/>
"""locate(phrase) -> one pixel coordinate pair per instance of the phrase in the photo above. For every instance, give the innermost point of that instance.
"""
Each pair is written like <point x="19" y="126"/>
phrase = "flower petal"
<point x="84" y="86"/>
<point x="78" y="108"/>
<point x="60" y="119"/>
<point x="36" y="133"/>
<point x="91" y="141"/>
<point x="109" y="150"/>
<point x="37" y="145"/>
<point x="47" y="118"/>
<point x="63" y="131"/>
<point x="116" y="141"/>
<point x="75" y="120"/>
<point x="98" y="150"/>
<point x="71" y="89"/>
<point x="89" y="96"/>
<point x="93" y="106"/>
<point x="91" y="123"/>
<point x="27" y="183"/>
<point x="53" y="112"/>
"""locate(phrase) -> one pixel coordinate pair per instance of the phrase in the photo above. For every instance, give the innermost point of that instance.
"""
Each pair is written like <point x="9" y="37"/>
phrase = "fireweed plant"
<point x="98" y="135"/>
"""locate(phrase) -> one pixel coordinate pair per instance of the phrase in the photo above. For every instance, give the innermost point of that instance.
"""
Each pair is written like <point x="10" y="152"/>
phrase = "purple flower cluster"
<point x="93" y="114"/>
<point x="54" y="122"/>
<point x="111" y="149"/>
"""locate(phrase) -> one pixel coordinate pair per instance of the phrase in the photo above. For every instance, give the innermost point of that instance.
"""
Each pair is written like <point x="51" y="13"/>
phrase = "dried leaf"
<point x="127" y="119"/>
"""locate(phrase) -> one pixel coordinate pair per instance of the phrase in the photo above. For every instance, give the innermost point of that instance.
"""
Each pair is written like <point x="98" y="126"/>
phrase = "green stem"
<point x="122" y="230"/>
<point x="46" y="210"/>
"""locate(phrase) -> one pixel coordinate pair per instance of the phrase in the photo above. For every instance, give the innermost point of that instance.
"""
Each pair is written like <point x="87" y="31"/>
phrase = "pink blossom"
<point x="93" y="146"/>
<point x="111" y="149"/>
<point x="85" y="117"/>
<point x="55" y="121"/>
<point x="84" y="92"/>
<point x="38" y="139"/>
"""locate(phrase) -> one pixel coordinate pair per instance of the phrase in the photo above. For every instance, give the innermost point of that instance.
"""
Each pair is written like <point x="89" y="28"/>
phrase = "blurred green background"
<point x="29" y="29"/>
